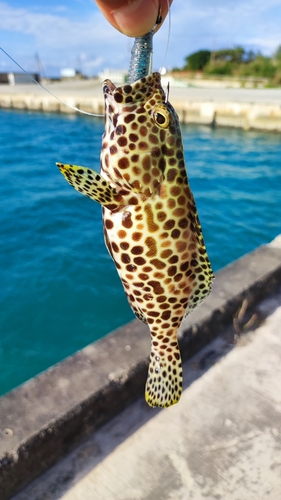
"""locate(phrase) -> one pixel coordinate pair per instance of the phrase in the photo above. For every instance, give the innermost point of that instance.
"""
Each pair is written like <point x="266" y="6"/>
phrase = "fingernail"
<point x="136" y="18"/>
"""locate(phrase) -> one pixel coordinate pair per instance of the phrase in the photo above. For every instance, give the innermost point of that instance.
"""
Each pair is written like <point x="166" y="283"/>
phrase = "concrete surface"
<point x="243" y="108"/>
<point x="45" y="418"/>
<point x="93" y="88"/>
<point x="221" y="441"/>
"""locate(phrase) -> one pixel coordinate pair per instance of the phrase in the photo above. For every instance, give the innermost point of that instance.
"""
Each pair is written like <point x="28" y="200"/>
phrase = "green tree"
<point x="261" y="66"/>
<point x="219" y="68"/>
<point x="277" y="54"/>
<point x="198" y="60"/>
<point x="230" y="55"/>
<point x="249" y="56"/>
<point x="237" y="62"/>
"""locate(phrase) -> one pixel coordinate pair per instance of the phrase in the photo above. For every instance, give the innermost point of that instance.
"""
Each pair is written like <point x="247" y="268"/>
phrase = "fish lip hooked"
<point x="108" y="87"/>
<point x="130" y="94"/>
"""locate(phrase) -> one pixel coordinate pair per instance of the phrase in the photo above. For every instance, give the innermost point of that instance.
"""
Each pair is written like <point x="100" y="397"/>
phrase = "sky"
<point x="75" y="34"/>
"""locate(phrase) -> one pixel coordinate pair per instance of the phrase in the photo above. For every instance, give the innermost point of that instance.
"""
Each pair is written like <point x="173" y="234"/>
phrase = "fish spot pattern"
<point x="166" y="252"/>
<point x="151" y="225"/>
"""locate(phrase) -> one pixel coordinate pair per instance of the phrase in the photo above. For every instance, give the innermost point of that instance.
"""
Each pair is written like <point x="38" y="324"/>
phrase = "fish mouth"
<point x="108" y="87"/>
<point x="138" y="92"/>
<point x="148" y="85"/>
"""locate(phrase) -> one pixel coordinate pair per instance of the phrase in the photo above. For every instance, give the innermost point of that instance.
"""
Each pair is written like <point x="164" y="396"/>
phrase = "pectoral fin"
<point x="91" y="184"/>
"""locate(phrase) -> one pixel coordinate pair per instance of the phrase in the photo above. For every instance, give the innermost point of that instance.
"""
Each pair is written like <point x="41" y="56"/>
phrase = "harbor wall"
<point x="231" y="114"/>
<point x="246" y="115"/>
<point x="45" y="418"/>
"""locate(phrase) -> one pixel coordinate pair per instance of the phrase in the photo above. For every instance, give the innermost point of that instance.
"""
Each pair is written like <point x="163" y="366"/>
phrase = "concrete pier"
<point x="211" y="445"/>
<point x="221" y="442"/>
<point x="258" y="109"/>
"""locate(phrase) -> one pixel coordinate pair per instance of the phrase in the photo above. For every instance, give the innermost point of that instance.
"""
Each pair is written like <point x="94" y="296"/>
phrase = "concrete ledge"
<point x="230" y="114"/>
<point x="247" y="115"/>
<point x="49" y="104"/>
<point x="49" y="415"/>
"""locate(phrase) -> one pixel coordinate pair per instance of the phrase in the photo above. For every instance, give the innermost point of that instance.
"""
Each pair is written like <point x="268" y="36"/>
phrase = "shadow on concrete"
<point x="59" y="479"/>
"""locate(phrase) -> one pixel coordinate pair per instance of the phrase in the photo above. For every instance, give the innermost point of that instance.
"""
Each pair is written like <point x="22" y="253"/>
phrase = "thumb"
<point x="133" y="17"/>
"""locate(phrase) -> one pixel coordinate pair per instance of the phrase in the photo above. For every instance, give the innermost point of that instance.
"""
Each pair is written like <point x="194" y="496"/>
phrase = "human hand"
<point x="133" y="17"/>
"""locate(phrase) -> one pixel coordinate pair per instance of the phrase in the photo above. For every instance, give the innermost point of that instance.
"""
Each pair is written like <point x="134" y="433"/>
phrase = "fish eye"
<point x="161" y="116"/>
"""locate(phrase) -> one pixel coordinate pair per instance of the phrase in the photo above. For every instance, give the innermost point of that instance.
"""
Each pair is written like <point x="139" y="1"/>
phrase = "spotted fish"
<point x="151" y="225"/>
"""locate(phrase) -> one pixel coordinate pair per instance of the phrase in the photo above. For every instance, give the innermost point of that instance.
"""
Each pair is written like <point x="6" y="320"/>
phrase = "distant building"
<point x="18" y="78"/>
<point x="115" y="75"/>
<point x="70" y="73"/>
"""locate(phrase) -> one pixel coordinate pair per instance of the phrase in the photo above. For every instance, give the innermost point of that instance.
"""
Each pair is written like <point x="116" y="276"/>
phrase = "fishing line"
<point x="47" y="90"/>
<point x="74" y="107"/>
<point x="168" y="39"/>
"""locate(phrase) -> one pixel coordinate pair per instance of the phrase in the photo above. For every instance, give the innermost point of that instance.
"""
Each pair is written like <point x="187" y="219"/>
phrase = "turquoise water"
<point x="59" y="288"/>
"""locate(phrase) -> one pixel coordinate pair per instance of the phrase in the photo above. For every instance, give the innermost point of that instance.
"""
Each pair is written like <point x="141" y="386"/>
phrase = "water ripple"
<point x="60" y="290"/>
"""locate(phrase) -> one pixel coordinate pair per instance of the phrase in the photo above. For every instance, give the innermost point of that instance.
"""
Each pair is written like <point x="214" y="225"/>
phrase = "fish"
<point x="151" y="225"/>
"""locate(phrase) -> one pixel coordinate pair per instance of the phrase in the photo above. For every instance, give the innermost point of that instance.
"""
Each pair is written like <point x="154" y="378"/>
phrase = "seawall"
<point x="258" y="109"/>
<point x="45" y="418"/>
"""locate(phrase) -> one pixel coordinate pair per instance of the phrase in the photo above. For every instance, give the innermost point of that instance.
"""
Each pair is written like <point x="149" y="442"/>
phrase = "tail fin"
<point x="164" y="381"/>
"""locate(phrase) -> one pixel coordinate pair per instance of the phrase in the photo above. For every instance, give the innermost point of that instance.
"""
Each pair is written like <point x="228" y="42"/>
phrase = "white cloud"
<point x="202" y="24"/>
<point x="60" y="8"/>
<point x="53" y="29"/>
<point x="59" y="36"/>
<point x="267" y="45"/>
<point x="95" y="63"/>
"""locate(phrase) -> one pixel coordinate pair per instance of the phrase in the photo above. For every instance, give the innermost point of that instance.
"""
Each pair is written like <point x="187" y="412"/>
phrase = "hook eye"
<point x="161" y="116"/>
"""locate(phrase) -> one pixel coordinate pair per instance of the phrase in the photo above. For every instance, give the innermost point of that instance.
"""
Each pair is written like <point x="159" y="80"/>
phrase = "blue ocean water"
<point x="59" y="288"/>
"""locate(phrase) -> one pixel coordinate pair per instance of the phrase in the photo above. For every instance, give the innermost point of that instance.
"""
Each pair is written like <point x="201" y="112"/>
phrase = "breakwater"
<point x="258" y="109"/>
